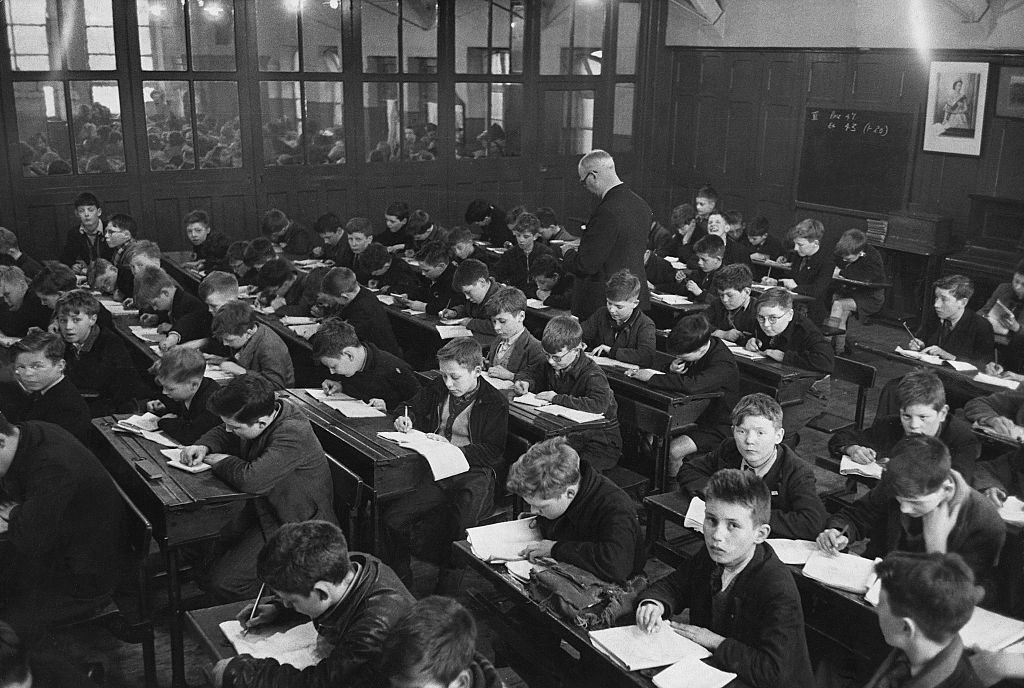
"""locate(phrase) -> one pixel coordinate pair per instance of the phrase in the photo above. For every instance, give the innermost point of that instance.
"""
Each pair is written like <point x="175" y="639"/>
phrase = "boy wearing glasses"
<point x="120" y="237"/>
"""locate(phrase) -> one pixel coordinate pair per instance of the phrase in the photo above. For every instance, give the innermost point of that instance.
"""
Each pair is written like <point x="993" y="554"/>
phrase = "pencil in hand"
<point x="255" y="606"/>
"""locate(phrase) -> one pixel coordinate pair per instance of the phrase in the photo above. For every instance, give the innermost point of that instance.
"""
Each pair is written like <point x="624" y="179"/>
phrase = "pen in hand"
<point x="255" y="605"/>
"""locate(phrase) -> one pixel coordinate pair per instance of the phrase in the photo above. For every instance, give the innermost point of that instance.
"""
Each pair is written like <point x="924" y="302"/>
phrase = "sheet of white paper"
<point x="453" y="331"/>
<point x="844" y="571"/>
<point x="848" y="466"/>
<point x="298" y="320"/>
<point x="500" y="542"/>
<point x="444" y="458"/>
<point x="918" y="356"/>
<point x="612" y="363"/>
<point x="672" y="299"/>
<point x="497" y="383"/>
<point x="174" y="460"/>
<point x="1012" y="510"/>
<point x="147" y="333"/>
<point x="961" y="366"/>
<point x="530" y="399"/>
<point x="991" y="631"/>
<point x="638" y="650"/>
<point x="521" y="569"/>
<point x="116" y="308"/>
<point x="346" y="405"/>
<point x="297" y="646"/>
<point x="146" y="421"/>
<point x="694" y="518"/>
<point x="998" y="381"/>
<point x="410" y="311"/>
<point x="215" y="372"/>
<point x="305" y="331"/>
<point x="157" y="437"/>
<point x="692" y="673"/>
<point x="574" y="415"/>
<point x="386" y="299"/>
<point x="793" y="551"/>
<point x="752" y="355"/>
<point x="536" y="303"/>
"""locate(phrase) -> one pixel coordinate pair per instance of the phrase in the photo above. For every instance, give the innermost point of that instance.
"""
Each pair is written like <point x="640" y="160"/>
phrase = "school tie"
<point x="944" y="329"/>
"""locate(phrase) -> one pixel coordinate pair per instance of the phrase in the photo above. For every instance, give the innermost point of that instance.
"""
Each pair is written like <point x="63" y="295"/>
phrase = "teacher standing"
<point x="614" y="238"/>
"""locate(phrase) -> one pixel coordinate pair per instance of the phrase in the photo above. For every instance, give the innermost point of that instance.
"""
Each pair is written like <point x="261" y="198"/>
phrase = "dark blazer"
<point x="477" y="312"/>
<point x="659" y="273"/>
<point x="213" y="251"/>
<point x="615" y="238"/>
<point x="763" y="620"/>
<point x="513" y="268"/>
<point x="371" y="322"/>
<point x="400" y="278"/>
<point x="31" y="313"/>
<point x="193" y="420"/>
<point x="867" y="268"/>
<point x="526" y="353"/>
<point x="715" y="371"/>
<point x="972" y="339"/>
<point x="266" y="354"/>
<point x="742" y="319"/>
<point x="802" y="344"/>
<point x="102" y="370"/>
<point x="61" y="405"/>
<point x="736" y="252"/>
<point x="771" y="247"/>
<point x="79" y="246"/>
<point x="631" y="342"/>
<point x="29" y="265"/>
<point x="189" y="316"/>
<point x="384" y="376"/>
<point x="440" y="294"/>
<point x="298" y="239"/>
<point x="340" y="253"/>
<point x="813" y="277"/>
<point x="301" y="297"/>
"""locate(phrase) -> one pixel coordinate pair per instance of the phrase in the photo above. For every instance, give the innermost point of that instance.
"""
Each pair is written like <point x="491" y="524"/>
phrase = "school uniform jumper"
<point x="102" y="370"/>
<point x="383" y="376"/>
<point x="479" y="322"/>
<point x="632" y="341"/>
<point x="371" y="322"/>
<point x="813" y="277"/>
<point x="213" y="251"/>
<point x="80" y="246"/>
<point x="62" y="404"/>
<point x="513" y="268"/>
<point x="266" y="354"/>
<point x="743" y="319"/>
<point x="193" y="419"/>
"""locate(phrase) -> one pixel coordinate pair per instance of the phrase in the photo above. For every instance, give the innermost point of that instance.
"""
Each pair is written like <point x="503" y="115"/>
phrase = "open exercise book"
<point x="1012" y="511"/>
<point x="692" y="673"/>
<point x="844" y="571"/>
<point x="636" y="649"/>
<point x="145" y="426"/>
<point x="350" y="407"/>
<point x="613" y="363"/>
<point x="501" y="542"/>
<point x="174" y="461"/>
<point x="298" y="646"/>
<point x="961" y="366"/>
<point x="444" y="458"/>
<point x="795" y="552"/>
<point x="848" y="466"/>
<point x="991" y="631"/>
<point x="575" y="415"/>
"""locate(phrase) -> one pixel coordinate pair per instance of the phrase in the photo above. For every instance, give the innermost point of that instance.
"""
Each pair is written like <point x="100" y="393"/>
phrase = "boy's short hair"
<point x="339" y="281"/>
<point x="733" y="486"/>
<point x="299" y="555"/>
<point x="40" y="341"/>
<point x="921" y="387"/>
<point x="465" y="351"/>
<point x="419" y="222"/>
<point x="179" y="364"/>
<point x="759" y="227"/>
<point x="710" y="245"/>
<point x="959" y="286"/>
<point x="690" y="333"/>
<point x="54" y="278"/>
<point x="218" y="282"/>
<point x="505" y="300"/>
<point x="97" y="269"/>
<point x="622" y="286"/>
<point x="233" y="318"/>
<point x="434" y="641"/>
<point x="200" y="216"/>
<point x="734" y="276"/>
<point x="77" y="302"/>
<point x="562" y="332"/>
<point x="125" y="222"/>
<point x="143" y="247"/>
<point x="546" y="470"/>
<point x="8" y="239"/>
<point x="918" y="465"/>
<point x="546" y="266"/>
<point x="328" y="223"/>
<point x="150" y="282"/>
<point x="244" y="399"/>
<point x="732" y="217"/>
<point x="399" y="209"/>
<point x="11" y="275"/>
<point x="87" y="198"/>
<point x="527" y="223"/>
<point x="936" y="590"/>
<point x="809" y="229"/>
<point x="461" y="235"/>
<point x="333" y="337"/>
<point x="682" y="215"/>
<point x="14" y="669"/>
<point x="236" y="252"/>
<point x="774" y="296"/>
<point x="374" y="258"/>
<point x="259" y="250"/>
<point x="359" y="225"/>
<point x="273" y="221"/>
<point x="469" y="271"/>
<point x="434" y="253"/>
<point x="546" y="216"/>
<point x="707" y="191"/>
<point x="760" y="405"/>
<point x="851" y="243"/>
<point x="477" y="210"/>
<point x="274" y="273"/>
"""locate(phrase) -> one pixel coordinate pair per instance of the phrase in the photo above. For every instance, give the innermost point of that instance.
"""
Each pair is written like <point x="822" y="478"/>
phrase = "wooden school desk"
<point x="205" y="623"/>
<point x="184" y="509"/>
<point x="965" y="380"/>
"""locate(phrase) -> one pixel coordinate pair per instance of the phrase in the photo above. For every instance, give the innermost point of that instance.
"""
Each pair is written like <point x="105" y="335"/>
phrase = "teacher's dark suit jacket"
<point x="614" y="239"/>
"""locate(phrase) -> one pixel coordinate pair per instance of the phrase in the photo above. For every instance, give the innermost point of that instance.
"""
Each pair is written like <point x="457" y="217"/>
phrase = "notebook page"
<point x="991" y="631"/>
<point x="869" y="470"/>
<point x="297" y="646"/>
<point x="500" y="542"/>
<point x="844" y="571"/>
<point x="692" y="673"/>
<point x="793" y="551"/>
<point x="638" y="650"/>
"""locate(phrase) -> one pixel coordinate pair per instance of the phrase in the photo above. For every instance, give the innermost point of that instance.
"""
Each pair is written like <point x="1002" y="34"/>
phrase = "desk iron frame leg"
<point x="177" y="635"/>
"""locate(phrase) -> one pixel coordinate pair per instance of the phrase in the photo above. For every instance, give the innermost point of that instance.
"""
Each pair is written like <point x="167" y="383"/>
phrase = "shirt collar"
<point x="90" y="341"/>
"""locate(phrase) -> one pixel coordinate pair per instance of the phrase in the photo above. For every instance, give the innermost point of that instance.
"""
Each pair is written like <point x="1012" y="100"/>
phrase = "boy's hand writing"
<point x="170" y="341"/>
<point x="448" y="314"/>
<point x="862" y="455"/>
<point x="648" y="616"/>
<point x="331" y="387"/>
<point x="155" y="406"/>
<point x="194" y="454"/>
<point x="521" y="387"/>
<point x="265" y="614"/>
<point x="642" y="375"/>
<point x="403" y="424"/>
<point x="915" y="345"/>
<point x="788" y="283"/>
<point x="752" y="345"/>
<point x="831" y="541"/>
<point x="934" y="350"/>
<point x="378" y="404"/>
<point x="997" y="496"/>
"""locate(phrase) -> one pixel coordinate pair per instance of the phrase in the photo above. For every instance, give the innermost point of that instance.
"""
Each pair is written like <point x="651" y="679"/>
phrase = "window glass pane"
<point x="571" y="37"/>
<point x="212" y="29"/>
<point x="401" y="123"/>
<point x="568" y="122"/>
<point x="488" y="120"/>
<point x="419" y="122"/>
<point x="27" y="29"/>
<point x="381" y="122"/>
<point x="419" y="37"/>
<point x="161" y="35"/>
<point x="281" y="108"/>
<point x="380" y="36"/>
<point x="324" y="115"/>
<point x="321" y="36"/>
<point x="629" y="35"/>
<point x="277" y="34"/>
<point x="489" y="37"/>
<point x="218" y="140"/>
<point x="96" y="121"/>
<point x="89" y="34"/>
<point x="42" y="128"/>
<point x="622" y="125"/>
<point x="169" y="125"/>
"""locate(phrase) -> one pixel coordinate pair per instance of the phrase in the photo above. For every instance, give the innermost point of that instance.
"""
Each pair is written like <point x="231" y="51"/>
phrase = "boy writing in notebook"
<point x="811" y="272"/>
<point x="585" y="519"/>
<point x="460" y="408"/>
<point x="473" y="279"/>
<point x="186" y="392"/>
<point x="179" y="316"/>
<point x="513" y="268"/>
<point x="551" y="285"/>
<point x="287" y="291"/>
<point x="951" y="330"/>
<point x="361" y="369"/>
<point x="387" y="272"/>
<point x="341" y="296"/>
<point x="569" y="378"/>
<point x="334" y="244"/>
<point x="435" y="291"/>
<point x="744" y="604"/>
<point x="515" y="350"/>
<point x="710" y="251"/>
<point x="621" y="330"/>
<point x="733" y="314"/>
<point x="353" y="599"/>
<point x="257" y="349"/>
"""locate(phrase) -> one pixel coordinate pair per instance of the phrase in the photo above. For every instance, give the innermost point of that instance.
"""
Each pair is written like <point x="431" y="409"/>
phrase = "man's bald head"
<point x="597" y="160"/>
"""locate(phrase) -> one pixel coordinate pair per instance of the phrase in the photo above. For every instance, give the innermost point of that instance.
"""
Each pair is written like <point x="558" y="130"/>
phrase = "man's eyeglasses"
<point x="771" y="319"/>
<point x="556" y="358"/>
<point x="583" y="180"/>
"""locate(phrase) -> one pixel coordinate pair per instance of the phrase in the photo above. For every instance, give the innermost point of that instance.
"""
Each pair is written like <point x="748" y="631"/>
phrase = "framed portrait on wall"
<point x="1010" y="97"/>
<point x="956" y="107"/>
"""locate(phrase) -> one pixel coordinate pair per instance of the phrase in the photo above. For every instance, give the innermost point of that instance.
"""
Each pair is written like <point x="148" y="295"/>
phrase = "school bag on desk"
<point x="581" y="598"/>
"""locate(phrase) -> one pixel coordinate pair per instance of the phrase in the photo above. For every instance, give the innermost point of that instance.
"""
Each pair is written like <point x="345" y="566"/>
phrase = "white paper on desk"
<point x="305" y="331"/>
<point x="536" y="303"/>
<point x="672" y="299"/>
<point x="844" y="571"/>
<point x="848" y="466"/>
<point x="961" y="366"/>
<point x="692" y="673"/>
<point x="453" y="331"/>
<point x="918" y="356"/>
<point x="1012" y="511"/>
<point x="174" y="459"/>
<point x="998" y="381"/>
<point x="752" y="355"/>
<point x="612" y="363"/>
<point x="116" y="308"/>
<point x="497" y="383"/>
<point x="521" y="569"/>
<point x="795" y="552"/>
<point x="386" y="299"/>
<point x="637" y="649"/>
<point x="157" y="437"/>
<point x="346" y="405"/>
<point x="991" y="631"/>
<point x="215" y="372"/>
<point x="298" y="320"/>
<point x="146" y="421"/>
<point x="501" y="542"/>
<point x="410" y="311"/>
<point x="530" y="399"/>
<point x="694" y="518"/>
<point x="298" y="646"/>
<point x="141" y="332"/>
<point x="444" y="458"/>
<point x="575" y="415"/>
<point x="676" y="263"/>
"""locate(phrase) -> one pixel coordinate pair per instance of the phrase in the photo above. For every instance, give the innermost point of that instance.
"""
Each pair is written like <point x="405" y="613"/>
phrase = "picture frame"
<point x="1010" y="96"/>
<point x="955" y="115"/>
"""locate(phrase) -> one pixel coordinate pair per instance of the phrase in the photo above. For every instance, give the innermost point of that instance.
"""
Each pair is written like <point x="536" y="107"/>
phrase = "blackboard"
<point x="855" y="159"/>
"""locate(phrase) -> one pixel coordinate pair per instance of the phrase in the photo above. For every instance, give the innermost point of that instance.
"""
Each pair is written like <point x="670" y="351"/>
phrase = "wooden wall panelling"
<point x="879" y="79"/>
<point x="44" y="215"/>
<point x="231" y="206"/>
<point x="825" y="82"/>
<point x="1009" y="172"/>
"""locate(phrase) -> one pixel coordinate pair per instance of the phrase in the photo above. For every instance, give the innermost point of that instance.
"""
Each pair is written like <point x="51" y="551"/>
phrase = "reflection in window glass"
<point x="489" y="37"/>
<point x="321" y="36"/>
<point x="169" y="125"/>
<point x="96" y="123"/>
<point x="218" y="139"/>
<point x="324" y="116"/>
<point x="380" y="36"/>
<point x="568" y="122"/>
<point x="571" y="37"/>
<point x="488" y="120"/>
<point x="90" y="43"/>
<point x="42" y="128"/>
<point x="27" y="36"/>
<point x="281" y="107"/>
<point x="419" y="37"/>
<point x="161" y="35"/>
<point x="212" y="30"/>
<point x="400" y="123"/>
<point x="622" y="125"/>
<point x="277" y="34"/>
<point x="629" y="35"/>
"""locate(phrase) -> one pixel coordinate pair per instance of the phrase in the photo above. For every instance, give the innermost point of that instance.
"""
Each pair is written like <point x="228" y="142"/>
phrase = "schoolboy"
<point x="704" y="202"/>
<point x="744" y="605"/>
<point x="341" y="296"/>
<point x="463" y="245"/>
<point x="701" y="364"/>
<point x="234" y="261"/>
<point x="263" y="446"/>
<point x="514" y="350"/>
<point x="659" y="273"/>
<point x="551" y="229"/>
<point x="294" y="238"/>
<point x="361" y="369"/>
<point x="685" y="234"/>
<point x="434" y="644"/>
<point x="11" y="254"/>
<point x="435" y="291"/>
<point x="491" y="220"/>
<point x="466" y="411"/>
<point x="423" y="231"/>
<point x="584" y="518"/>
<point x="359" y="231"/>
<point x="258" y="253"/>
<point x="52" y="281"/>
<point x="709" y="251"/>
<point x="720" y="224"/>
<point x="143" y="254"/>
<point x="1002" y="412"/>
<point x="388" y="273"/>
<point x="84" y="242"/>
<point x="812" y="268"/>
<point x="97" y="358"/>
<point x="40" y="390"/>
<point x="856" y="260"/>
<point x="352" y="598"/>
<point x="756" y="445"/>
<point x="209" y="247"/>
<point x="186" y="391"/>
<point x="23" y="308"/>
<point x="180" y="316"/>
<point x="621" y="330"/>
<point x="120" y="235"/>
<point x="474" y="280"/>
<point x="551" y="285"/>
<point x="286" y="290"/>
<point x="952" y="331"/>
<point x="923" y="411"/>
<point x="513" y="268"/>
<point x="921" y="505"/>
<point x="763" y="245"/>
<point x="258" y="350"/>
<point x="396" y="235"/>
<point x="925" y="600"/>
<point x="334" y="244"/>
<point x="571" y="379"/>
<point x="217" y="289"/>
<point x="733" y="314"/>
